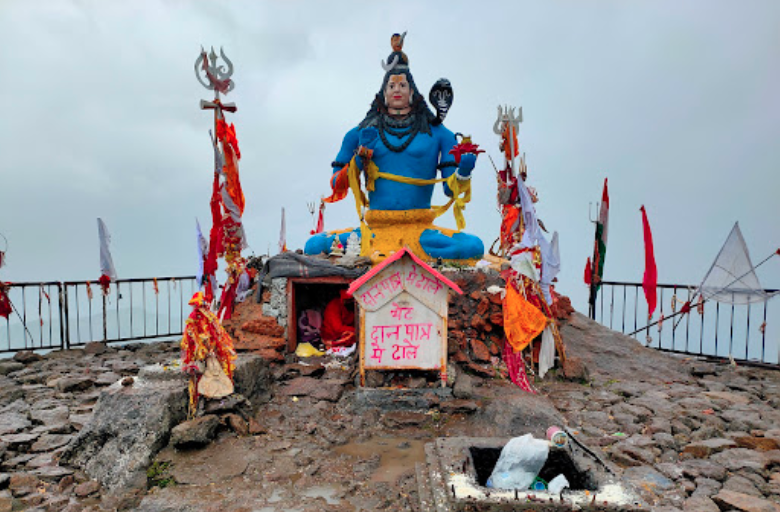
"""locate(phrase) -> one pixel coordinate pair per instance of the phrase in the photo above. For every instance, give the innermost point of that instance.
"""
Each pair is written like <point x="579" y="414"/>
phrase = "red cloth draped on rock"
<point x="338" y="324"/>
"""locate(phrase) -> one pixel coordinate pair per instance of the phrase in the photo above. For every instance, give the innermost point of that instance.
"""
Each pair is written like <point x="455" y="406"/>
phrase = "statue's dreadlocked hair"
<point x="420" y="111"/>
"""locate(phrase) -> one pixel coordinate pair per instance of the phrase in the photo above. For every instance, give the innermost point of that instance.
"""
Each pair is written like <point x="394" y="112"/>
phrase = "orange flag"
<point x="522" y="321"/>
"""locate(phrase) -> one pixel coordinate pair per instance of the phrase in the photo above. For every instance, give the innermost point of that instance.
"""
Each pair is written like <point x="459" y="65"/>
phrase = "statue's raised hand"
<point x="368" y="137"/>
<point x="467" y="163"/>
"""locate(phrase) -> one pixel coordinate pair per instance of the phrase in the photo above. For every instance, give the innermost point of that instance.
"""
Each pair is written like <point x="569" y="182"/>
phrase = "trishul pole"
<point x="217" y="79"/>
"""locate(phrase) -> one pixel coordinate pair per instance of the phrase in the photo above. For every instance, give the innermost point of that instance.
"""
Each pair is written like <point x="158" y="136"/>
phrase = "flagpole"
<point x="593" y="269"/>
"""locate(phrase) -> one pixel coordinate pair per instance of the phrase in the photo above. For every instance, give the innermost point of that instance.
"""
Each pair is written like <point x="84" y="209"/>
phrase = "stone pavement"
<point x="691" y="435"/>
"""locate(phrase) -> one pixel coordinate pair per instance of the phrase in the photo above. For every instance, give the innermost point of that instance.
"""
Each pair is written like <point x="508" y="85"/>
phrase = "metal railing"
<point x="748" y="333"/>
<point x="55" y="315"/>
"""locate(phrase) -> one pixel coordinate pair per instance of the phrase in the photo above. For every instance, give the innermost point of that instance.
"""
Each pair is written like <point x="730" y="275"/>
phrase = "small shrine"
<point x="403" y="316"/>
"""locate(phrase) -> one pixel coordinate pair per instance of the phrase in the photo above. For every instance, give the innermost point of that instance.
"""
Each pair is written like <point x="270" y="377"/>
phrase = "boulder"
<point x="69" y="384"/>
<point x="195" y="433"/>
<point x="329" y="390"/>
<point x="27" y="357"/>
<point x="740" y="501"/>
<point x="517" y="411"/>
<point x="95" y="347"/>
<point x="464" y="386"/>
<point x="129" y="426"/>
<point x="252" y="378"/>
<point x="574" y="369"/>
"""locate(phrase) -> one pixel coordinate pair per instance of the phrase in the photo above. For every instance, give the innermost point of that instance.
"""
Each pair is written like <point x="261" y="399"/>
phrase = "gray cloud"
<point x="676" y="104"/>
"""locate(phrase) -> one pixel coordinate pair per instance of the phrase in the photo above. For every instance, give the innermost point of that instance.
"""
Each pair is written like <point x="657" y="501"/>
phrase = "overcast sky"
<point x="676" y="102"/>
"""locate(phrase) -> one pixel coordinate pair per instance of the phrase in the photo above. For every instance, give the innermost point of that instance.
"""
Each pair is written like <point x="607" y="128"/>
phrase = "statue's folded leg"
<point x="322" y="242"/>
<point x="451" y="245"/>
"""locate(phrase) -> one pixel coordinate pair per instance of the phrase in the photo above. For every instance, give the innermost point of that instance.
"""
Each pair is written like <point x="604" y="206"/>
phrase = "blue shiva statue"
<point x="399" y="147"/>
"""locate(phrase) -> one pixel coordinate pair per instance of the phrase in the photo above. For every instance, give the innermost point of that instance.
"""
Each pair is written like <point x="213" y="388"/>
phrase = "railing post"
<point x="63" y="315"/>
<point x="105" y="323"/>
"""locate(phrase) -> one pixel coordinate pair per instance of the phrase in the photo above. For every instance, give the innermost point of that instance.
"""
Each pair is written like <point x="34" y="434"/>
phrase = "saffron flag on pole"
<point x="602" y="230"/>
<point x="650" y="279"/>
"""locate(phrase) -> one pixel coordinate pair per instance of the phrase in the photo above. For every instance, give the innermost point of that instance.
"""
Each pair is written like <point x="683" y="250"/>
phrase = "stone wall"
<point x="261" y="328"/>
<point x="475" y="326"/>
<point x="476" y="321"/>
<point x="275" y="301"/>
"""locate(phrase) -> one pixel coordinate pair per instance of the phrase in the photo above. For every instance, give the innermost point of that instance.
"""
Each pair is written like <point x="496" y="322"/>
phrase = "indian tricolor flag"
<point x="601" y="236"/>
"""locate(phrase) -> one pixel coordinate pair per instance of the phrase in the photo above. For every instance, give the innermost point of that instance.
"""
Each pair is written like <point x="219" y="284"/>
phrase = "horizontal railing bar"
<point x="132" y="338"/>
<point x="681" y="286"/>
<point x="134" y="280"/>
<point x="33" y="283"/>
<point x="743" y="362"/>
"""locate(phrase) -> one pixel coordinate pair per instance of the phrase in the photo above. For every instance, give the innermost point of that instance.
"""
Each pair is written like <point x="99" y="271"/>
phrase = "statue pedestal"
<point x="392" y="230"/>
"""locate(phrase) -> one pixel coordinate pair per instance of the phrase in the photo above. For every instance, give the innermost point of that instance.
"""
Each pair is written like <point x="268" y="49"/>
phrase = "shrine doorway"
<point x="310" y="293"/>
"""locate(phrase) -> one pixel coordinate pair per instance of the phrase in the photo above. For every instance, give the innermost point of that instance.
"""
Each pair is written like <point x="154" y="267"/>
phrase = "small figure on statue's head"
<point x="400" y="147"/>
<point x="397" y="42"/>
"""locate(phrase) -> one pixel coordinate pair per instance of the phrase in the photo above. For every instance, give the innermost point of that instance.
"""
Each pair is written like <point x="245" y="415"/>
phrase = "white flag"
<point x="551" y="264"/>
<point x="283" y="235"/>
<point x="106" y="262"/>
<point x="203" y="249"/>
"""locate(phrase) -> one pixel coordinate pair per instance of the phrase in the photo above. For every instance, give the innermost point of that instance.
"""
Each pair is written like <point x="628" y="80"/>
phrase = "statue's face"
<point x="398" y="93"/>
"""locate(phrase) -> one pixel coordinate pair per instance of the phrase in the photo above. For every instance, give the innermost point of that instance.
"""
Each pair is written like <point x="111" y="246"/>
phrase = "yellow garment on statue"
<point x="522" y="321"/>
<point x="461" y="191"/>
<point x="392" y="230"/>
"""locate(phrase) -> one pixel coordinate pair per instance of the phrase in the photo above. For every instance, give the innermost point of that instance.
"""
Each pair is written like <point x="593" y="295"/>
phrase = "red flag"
<point x="588" y="272"/>
<point x="650" y="280"/>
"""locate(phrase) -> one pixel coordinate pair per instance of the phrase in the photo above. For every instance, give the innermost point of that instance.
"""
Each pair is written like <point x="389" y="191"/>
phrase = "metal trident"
<point x="218" y="77"/>
<point x="218" y="81"/>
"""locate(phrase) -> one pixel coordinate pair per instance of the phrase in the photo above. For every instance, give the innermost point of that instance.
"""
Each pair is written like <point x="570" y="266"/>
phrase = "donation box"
<point x="403" y="316"/>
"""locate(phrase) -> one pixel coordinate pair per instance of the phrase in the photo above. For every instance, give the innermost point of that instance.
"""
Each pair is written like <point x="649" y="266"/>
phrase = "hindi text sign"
<point x="403" y="315"/>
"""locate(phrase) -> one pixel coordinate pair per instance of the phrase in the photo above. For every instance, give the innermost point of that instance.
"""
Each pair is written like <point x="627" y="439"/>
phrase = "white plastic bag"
<point x="557" y="484"/>
<point x="521" y="460"/>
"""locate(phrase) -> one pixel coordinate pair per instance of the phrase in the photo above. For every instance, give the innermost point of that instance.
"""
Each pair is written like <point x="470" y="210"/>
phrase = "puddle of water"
<point x="398" y="455"/>
<point x="322" y="492"/>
